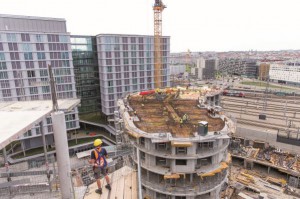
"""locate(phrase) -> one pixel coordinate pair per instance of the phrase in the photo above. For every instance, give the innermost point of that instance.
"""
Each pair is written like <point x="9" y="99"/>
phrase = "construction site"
<point x="180" y="139"/>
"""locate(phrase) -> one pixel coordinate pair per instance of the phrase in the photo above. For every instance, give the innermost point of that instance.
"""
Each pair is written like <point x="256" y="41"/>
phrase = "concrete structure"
<point x="178" y="159"/>
<point x="238" y="66"/>
<point x="27" y="46"/>
<point x="126" y="64"/>
<point x="86" y="70"/>
<point x="24" y="115"/>
<point x="288" y="72"/>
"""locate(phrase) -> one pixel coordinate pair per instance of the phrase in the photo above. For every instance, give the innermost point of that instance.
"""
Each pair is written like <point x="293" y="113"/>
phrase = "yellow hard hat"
<point x="97" y="142"/>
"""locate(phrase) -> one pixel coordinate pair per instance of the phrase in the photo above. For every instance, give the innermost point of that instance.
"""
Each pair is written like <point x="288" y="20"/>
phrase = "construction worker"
<point x="98" y="160"/>
<point x="180" y="122"/>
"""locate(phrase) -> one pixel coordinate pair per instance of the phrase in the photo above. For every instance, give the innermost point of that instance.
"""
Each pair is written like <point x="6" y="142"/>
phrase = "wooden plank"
<point x="114" y="184"/>
<point x="134" y="186"/>
<point x="120" y="192"/>
<point x="128" y="186"/>
<point x="92" y="194"/>
<point x="105" y="191"/>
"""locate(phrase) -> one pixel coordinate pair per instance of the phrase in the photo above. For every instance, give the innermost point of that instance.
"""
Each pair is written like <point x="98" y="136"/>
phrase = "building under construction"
<point x="181" y="139"/>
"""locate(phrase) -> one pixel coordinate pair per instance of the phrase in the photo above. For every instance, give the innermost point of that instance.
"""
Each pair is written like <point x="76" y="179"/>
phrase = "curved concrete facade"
<point x="176" y="167"/>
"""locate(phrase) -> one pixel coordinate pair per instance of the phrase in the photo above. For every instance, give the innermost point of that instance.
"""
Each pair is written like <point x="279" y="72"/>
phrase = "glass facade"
<point x="85" y="61"/>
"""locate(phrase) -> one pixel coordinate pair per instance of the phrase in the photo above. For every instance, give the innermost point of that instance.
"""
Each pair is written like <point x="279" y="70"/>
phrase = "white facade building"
<point x="27" y="46"/>
<point x="288" y="73"/>
<point x="177" y="69"/>
<point x="126" y="64"/>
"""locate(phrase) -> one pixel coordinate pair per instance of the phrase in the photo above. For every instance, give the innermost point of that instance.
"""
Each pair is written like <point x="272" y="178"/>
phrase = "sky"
<point x="197" y="25"/>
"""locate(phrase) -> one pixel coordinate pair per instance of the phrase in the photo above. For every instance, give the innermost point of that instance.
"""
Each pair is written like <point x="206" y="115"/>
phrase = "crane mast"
<point x="158" y="8"/>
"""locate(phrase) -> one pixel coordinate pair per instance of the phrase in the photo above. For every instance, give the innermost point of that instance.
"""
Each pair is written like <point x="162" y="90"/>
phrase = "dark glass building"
<point x="85" y="61"/>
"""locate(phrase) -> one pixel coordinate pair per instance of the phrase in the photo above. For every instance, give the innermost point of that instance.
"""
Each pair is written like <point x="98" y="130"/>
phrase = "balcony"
<point x="200" y="153"/>
<point x="182" y="188"/>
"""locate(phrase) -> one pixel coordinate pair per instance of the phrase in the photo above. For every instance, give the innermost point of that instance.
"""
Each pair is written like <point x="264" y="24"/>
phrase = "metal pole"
<point x="45" y="154"/>
<point x="139" y="172"/>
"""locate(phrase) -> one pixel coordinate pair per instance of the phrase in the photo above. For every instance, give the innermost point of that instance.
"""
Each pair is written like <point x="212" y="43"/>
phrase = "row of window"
<point x="39" y="55"/>
<point x="25" y="37"/>
<point x="140" y="40"/>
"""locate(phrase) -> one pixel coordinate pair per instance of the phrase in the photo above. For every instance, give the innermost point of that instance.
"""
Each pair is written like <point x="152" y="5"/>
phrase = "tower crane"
<point x="158" y="8"/>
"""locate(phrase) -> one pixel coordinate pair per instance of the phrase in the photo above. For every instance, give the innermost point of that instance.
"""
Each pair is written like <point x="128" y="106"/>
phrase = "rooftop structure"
<point x="181" y="137"/>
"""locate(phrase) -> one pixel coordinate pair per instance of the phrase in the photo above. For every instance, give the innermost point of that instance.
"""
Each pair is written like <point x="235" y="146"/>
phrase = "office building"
<point x="27" y="46"/>
<point x="85" y="61"/>
<point x="126" y="64"/>
<point x="288" y="72"/>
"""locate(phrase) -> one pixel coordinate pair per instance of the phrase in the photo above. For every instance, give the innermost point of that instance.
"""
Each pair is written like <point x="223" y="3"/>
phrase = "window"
<point x="181" y="162"/>
<point x="118" y="75"/>
<point x="142" y="141"/>
<point x="3" y="66"/>
<point x="42" y="64"/>
<point x="28" y="56"/>
<point x="161" y="161"/>
<point x="33" y="90"/>
<point x="25" y="37"/>
<point x="161" y="146"/>
<point x="134" y="81"/>
<point x="44" y="73"/>
<point x="40" y="47"/>
<point x="3" y="75"/>
<point x="6" y="93"/>
<point x="110" y="90"/>
<point x="45" y="89"/>
<point x="26" y="47"/>
<point x="110" y="83"/>
<point x="11" y="37"/>
<point x="1" y="47"/>
<point x="2" y="57"/>
<point x="39" y="38"/>
<point x="181" y="150"/>
<point x="125" y="54"/>
<point x="4" y="83"/>
<point x="14" y="56"/>
<point x="142" y="156"/>
<point x="31" y="73"/>
<point x="41" y="55"/>
<point x="29" y="64"/>
<point x="13" y="46"/>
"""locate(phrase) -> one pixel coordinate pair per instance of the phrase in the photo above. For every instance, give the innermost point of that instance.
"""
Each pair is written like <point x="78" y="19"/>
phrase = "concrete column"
<point x="139" y="173"/>
<point x="62" y="154"/>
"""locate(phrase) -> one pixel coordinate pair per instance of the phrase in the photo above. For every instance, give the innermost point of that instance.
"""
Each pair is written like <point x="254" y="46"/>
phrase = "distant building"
<point x="177" y="69"/>
<point x="126" y="64"/>
<point x="205" y="68"/>
<point x="86" y="70"/>
<point x="27" y="46"/>
<point x="237" y="66"/>
<point x="263" y="71"/>
<point x="288" y="73"/>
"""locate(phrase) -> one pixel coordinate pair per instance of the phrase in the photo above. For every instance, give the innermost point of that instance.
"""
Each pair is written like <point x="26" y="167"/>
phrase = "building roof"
<point x="161" y="116"/>
<point x="18" y="117"/>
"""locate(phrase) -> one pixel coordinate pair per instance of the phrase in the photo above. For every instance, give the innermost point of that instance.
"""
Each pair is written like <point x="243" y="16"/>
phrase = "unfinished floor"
<point x="163" y="116"/>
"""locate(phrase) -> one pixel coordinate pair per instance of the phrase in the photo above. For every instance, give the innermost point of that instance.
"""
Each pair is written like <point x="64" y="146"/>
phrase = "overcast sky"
<point x="198" y="25"/>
